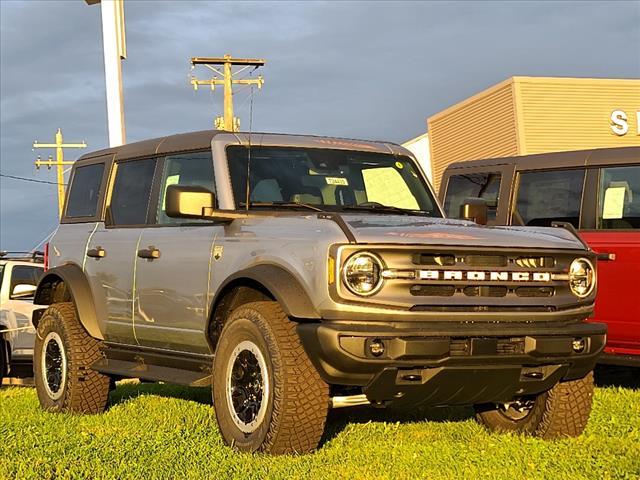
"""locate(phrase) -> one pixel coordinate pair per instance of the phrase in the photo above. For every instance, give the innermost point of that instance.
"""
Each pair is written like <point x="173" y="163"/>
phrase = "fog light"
<point x="376" y="347"/>
<point x="578" y="345"/>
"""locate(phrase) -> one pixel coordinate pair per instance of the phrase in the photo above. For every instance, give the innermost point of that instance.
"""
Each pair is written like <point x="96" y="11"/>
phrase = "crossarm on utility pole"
<point x="58" y="163"/>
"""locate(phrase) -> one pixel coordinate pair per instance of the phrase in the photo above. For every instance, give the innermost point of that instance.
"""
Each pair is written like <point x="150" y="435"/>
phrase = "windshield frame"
<point x="406" y="157"/>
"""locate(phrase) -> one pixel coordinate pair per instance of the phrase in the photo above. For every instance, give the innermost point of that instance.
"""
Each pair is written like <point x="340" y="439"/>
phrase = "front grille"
<point x="469" y="279"/>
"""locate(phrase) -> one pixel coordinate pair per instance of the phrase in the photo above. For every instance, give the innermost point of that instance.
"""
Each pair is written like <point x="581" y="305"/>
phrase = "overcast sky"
<point x="369" y="70"/>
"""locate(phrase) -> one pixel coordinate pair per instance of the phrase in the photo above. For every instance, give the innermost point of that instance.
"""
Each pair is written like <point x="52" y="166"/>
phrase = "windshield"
<point x="332" y="180"/>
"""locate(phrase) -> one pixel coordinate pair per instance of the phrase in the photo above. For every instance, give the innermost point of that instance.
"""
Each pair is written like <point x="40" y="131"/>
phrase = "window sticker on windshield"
<point x="613" y="202"/>
<point x="336" y="181"/>
<point x="399" y="165"/>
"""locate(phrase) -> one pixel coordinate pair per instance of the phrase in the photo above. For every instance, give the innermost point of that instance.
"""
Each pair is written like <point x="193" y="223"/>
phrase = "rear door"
<point x="111" y="258"/>
<point x="615" y="234"/>
<point x="172" y="298"/>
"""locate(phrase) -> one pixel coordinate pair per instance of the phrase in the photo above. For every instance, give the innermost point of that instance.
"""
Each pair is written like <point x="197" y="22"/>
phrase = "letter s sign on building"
<point x="620" y="122"/>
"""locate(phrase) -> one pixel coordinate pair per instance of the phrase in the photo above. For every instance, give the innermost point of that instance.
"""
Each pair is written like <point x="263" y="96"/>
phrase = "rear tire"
<point x="267" y="394"/>
<point x="563" y="411"/>
<point x="63" y="355"/>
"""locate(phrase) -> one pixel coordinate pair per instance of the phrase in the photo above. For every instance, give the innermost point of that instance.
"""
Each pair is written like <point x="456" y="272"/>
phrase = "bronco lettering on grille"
<point x="483" y="276"/>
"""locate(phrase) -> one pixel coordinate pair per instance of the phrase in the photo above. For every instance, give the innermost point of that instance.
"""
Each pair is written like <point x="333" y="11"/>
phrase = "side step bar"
<point x="155" y="364"/>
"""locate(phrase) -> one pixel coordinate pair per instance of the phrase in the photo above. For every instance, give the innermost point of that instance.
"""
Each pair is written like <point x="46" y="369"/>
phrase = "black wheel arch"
<point x="68" y="283"/>
<point x="261" y="282"/>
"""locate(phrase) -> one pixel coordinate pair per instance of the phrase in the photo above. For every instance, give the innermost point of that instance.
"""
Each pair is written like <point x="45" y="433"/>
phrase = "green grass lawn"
<point x="159" y="431"/>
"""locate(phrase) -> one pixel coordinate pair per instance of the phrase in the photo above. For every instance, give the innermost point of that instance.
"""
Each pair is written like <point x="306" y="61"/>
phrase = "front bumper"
<point x="441" y="363"/>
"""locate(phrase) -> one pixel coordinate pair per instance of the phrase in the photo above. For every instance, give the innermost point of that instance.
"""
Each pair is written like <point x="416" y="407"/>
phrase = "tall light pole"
<point x="114" y="45"/>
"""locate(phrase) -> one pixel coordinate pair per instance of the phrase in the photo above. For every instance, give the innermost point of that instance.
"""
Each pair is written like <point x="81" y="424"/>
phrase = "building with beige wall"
<point x="527" y="115"/>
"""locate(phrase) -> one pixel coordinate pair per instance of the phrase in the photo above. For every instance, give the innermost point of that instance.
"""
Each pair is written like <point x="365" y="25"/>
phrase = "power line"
<point x="28" y="179"/>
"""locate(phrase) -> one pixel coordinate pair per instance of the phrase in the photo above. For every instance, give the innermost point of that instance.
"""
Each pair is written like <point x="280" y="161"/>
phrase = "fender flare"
<point x="282" y="284"/>
<point x="78" y="288"/>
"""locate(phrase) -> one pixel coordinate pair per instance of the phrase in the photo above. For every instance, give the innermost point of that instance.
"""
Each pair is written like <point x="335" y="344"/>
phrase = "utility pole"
<point x="59" y="163"/>
<point x="114" y="46"/>
<point x="228" y="122"/>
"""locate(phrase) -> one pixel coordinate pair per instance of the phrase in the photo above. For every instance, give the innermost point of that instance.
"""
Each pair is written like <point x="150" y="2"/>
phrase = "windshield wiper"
<point x="387" y="208"/>
<point x="281" y="204"/>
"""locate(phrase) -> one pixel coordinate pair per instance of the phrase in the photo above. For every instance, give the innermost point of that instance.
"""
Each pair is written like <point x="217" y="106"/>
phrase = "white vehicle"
<point x="19" y="277"/>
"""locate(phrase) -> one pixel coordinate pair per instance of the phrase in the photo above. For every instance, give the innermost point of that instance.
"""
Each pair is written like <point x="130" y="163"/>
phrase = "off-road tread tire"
<point x="300" y="396"/>
<point x="85" y="390"/>
<point x="561" y="412"/>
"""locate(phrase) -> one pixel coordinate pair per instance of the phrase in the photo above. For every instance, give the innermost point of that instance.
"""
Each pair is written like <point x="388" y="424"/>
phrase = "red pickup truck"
<point x="598" y="192"/>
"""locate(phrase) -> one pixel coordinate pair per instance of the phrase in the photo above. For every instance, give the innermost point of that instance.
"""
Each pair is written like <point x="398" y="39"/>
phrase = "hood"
<point x="440" y="231"/>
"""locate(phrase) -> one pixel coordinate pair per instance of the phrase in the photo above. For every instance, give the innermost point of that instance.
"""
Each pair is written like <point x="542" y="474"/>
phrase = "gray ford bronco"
<point x="295" y="274"/>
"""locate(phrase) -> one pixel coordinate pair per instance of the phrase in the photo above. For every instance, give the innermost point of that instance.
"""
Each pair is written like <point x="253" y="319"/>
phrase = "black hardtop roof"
<point x="545" y="161"/>
<point x="202" y="140"/>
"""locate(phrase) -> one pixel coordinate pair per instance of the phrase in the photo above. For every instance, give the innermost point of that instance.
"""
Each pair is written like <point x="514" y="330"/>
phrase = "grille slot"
<point x="535" y="292"/>
<point x="486" y="260"/>
<point x="535" y="262"/>
<point x="485" y="291"/>
<point x="432" y="290"/>
<point x="433" y="259"/>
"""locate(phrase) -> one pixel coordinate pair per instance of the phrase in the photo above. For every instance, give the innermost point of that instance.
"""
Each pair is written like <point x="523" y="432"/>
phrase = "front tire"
<point x="267" y="394"/>
<point x="561" y="412"/>
<point x="63" y="355"/>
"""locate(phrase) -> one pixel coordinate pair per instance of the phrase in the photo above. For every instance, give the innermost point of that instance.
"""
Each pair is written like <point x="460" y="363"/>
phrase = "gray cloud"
<point x="357" y="69"/>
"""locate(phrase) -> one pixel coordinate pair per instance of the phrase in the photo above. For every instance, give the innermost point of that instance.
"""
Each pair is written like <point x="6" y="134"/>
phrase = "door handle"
<point x="606" y="257"/>
<point x="97" y="252"/>
<point x="149" y="253"/>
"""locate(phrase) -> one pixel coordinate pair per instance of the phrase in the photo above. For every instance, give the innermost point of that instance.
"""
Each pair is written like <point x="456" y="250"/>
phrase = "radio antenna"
<point x="249" y="145"/>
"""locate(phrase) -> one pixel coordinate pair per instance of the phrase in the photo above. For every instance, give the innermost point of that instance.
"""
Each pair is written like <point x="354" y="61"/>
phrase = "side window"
<point x="385" y="185"/>
<point x="131" y="191"/>
<point x="85" y="191"/>
<point x="473" y="185"/>
<point x="25" y="275"/>
<point x="189" y="169"/>
<point x="619" y="198"/>
<point x="545" y="197"/>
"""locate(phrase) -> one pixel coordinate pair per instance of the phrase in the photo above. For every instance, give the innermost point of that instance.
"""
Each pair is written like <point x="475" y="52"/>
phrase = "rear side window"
<point x="473" y="185"/>
<point x="85" y="191"/>
<point x="131" y="192"/>
<point x="545" y="197"/>
<point x="619" y="198"/>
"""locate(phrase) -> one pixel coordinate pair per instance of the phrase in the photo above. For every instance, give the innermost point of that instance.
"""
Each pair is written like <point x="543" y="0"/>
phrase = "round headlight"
<point x="362" y="274"/>
<point x="582" y="277"/>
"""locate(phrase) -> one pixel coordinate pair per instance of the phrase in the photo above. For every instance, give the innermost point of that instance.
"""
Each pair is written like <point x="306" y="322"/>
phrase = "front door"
<point x="617" y="238"/>
<point x="110" y="261"/>
<point x="174" y="264"/>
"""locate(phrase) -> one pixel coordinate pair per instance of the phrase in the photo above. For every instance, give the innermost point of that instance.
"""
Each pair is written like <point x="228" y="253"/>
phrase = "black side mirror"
<point x="474" y="209"/>
<point x="188" y="202"/>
